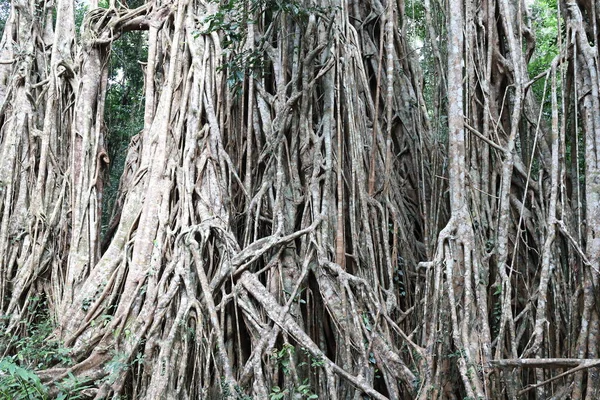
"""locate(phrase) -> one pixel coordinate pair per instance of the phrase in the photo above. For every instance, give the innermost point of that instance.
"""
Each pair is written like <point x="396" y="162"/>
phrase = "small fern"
<point x="18" y="383"/>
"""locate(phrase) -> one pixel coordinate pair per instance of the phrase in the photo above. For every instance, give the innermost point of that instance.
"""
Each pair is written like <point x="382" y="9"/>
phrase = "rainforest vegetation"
<point x="306" y="199"/>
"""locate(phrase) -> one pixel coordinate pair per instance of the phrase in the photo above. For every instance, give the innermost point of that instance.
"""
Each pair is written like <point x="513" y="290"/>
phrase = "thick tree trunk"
<point x="291" y="221"/>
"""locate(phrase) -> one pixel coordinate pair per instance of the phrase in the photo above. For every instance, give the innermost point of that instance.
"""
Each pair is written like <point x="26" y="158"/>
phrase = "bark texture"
<point x="292" y="220"/>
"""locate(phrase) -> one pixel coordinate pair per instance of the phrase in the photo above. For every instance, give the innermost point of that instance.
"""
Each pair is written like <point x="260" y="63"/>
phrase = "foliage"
<point x="34" y="350"/>
<point x="18" y="383"/>
<point x="230" y="21"/>
<point x="277" y="393"/>
<point x="283" y="357"/>
<point x="415" y="22"/>
<point x="4" y="14"/>
<point x="73" y="388"/>
<point x="124" y="112"/>
<point x="544" y="20"/>
<point x="116" y="366"/>
<point x="305" y="391"/>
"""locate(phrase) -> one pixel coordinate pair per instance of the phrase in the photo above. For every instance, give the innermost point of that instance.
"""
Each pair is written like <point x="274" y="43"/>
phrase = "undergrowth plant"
<point x="36" y="349"/>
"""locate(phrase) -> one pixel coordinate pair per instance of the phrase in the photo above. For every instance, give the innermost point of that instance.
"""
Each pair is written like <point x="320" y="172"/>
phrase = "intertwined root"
<point x="249" y="251"/>
<point x="282" y="227"/>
